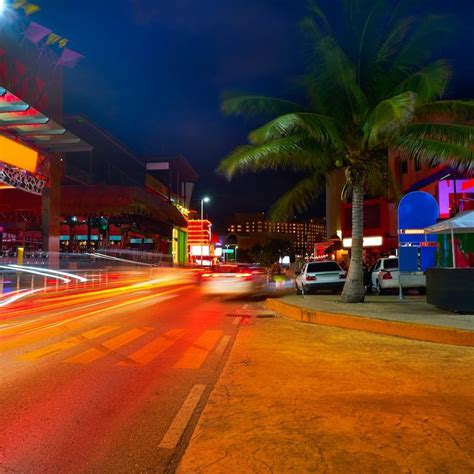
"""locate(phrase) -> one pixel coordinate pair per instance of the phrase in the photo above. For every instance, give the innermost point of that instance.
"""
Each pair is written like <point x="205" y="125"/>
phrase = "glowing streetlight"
<point x="2" y="6"/>
<point x="203" y="200"/>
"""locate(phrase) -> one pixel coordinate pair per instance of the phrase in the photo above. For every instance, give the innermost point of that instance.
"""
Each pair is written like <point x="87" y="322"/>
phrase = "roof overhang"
<point x="20" y="120"/>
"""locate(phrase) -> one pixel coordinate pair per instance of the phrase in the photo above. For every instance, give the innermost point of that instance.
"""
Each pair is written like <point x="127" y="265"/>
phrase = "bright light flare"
<point x="53" y="272"/>
<point x="18" y="268"/>
<point x="17" y="296"/>
<point x="2" y="7"/>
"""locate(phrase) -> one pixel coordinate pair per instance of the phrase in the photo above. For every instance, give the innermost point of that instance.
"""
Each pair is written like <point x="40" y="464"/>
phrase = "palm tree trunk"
<point x="354" y="290"/>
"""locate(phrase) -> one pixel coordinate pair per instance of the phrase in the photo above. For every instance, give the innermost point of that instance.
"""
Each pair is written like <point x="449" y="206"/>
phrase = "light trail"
<point x="35" y="272"/>
<point x="53" y="272"/>
<point x="18" y="296"/>
<point x="158" y="296"/>
<point x="109" y="257"/>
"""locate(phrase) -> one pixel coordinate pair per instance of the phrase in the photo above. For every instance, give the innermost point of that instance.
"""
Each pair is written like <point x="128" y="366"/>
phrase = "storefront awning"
<point x="22" y="121"/>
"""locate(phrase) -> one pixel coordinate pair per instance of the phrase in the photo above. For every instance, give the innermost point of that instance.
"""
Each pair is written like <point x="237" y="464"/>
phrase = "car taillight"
<point x="310" y="278"/>
<point x="387" y="276"/>
<point x="206" y="275"/>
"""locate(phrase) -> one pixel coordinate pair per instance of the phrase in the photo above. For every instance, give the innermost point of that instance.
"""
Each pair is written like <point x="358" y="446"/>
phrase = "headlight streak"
<point x="18" y="296"/>
<point x="109" y="257"/>
<point x="18" y="268"/>
<point x="53" y="272"/>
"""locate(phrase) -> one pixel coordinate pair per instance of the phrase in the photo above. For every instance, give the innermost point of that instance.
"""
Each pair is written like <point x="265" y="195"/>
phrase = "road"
<point x="109" y="381"/>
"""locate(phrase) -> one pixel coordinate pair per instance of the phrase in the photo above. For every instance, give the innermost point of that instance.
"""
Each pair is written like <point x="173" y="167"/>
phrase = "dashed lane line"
<point x="222" y="346"/>
<point x="181" y="420"/>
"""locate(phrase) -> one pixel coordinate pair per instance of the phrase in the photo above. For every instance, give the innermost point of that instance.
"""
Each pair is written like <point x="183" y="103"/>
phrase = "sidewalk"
<point x="411" y="317"/>
<point x="303" y="398"/>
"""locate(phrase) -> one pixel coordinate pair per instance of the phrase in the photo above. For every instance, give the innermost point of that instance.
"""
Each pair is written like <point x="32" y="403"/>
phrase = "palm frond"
<point x="388" y="117"/>
<point x="333" y="79"/>
<point x="250" y="106"/>
<point x="298" y="198"/>
<point x="428" y="34"/>
<point x="455" y="134"/>
<point x="462" y="110"/>
<point x="427" y="83"/>
<point x="435" y="152"/>
<point x="320" y="128"/>
<point x="272" y="155"/>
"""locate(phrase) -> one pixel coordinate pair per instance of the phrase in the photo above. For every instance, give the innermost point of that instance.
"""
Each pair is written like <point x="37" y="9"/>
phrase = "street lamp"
<point x="203" y="200"/>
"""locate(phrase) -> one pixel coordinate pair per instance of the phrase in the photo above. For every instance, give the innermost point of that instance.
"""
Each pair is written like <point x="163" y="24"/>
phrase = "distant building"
<point x="255" y="228"/>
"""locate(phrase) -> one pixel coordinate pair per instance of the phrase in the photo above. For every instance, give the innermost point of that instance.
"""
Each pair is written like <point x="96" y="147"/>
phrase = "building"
<point x="200" y="240"/>
<point x="33" y="143"/>
<point x="112" y="199"/>
<point x="453" y="191"/>
<point x="252" y="229"/>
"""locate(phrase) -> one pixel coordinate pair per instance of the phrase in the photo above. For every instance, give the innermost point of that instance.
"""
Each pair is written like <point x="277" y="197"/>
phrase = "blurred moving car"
<point x="234" y="280"/>
<point x="324" y="275"/>
<point x="384" y="276"/>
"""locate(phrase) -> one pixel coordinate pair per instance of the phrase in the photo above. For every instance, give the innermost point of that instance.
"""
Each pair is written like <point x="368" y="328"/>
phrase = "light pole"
<point x="203" y="200"/>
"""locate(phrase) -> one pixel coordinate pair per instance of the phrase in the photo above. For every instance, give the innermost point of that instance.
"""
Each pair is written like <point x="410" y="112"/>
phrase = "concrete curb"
<point x="438" y="334"/>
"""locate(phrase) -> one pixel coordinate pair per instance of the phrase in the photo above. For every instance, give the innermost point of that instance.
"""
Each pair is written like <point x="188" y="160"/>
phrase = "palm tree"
<point x="373" y="83"/>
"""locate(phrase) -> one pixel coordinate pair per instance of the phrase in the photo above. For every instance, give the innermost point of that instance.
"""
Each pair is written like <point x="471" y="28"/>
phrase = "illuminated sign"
<point x="196" y="250"/>
<point x="17" y="155"/>
<point x="412" y="231"/>
<point x="367" y="242"/>
<point x="21" y="180"/>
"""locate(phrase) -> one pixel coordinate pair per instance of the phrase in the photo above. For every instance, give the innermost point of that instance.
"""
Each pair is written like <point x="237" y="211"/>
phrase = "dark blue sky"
<point x="155" y="69"/>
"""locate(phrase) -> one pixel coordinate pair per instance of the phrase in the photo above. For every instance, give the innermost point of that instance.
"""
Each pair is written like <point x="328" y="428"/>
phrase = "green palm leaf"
<point x="460" y="135"/>
<point x="389" y="117"/>
<point x="435" y="152"/>
<point x="271" y="155"/>
<point x="321" y="128"/>
<point x="299" y="198"/>
<point x="428" y="83"/>
<point x="462" y="110"/>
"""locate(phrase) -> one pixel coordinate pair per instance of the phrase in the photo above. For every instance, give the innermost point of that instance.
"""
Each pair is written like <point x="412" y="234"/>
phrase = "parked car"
<point x="323" y="275"/>
<point x="384" y="276"/>
<point x="234" y="280"/>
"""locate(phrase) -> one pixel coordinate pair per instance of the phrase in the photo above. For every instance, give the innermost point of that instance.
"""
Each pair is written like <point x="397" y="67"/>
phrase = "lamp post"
<point x="203" y="200"/>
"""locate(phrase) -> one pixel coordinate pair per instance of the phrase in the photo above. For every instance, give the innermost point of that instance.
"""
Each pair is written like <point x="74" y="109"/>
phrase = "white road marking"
<point x="181" y="420"/>
<point x="222" y="346"/>
<point x="236" y="321"/>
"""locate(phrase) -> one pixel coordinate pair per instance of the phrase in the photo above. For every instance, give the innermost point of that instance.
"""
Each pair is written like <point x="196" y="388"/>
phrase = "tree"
<point x="373" y="83"/>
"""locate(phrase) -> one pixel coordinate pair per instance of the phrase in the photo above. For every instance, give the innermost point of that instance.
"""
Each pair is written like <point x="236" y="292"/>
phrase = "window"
<point x="323" y="267"/>
<point x="390" y="263"/>
<point x="404" y="167"/>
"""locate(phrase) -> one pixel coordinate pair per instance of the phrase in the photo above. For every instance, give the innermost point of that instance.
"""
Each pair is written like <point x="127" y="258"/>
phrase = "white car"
<point x="234" y="280"/>
<point x="384" y="276"/>
<point x="324" y="275"/>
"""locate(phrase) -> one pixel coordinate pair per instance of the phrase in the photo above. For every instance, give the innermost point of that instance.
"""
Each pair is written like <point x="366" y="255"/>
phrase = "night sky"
<point x="155" y="70"/>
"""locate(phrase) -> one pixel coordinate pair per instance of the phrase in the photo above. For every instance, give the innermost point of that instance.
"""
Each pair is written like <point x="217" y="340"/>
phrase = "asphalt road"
<point x="109" y="382"/>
